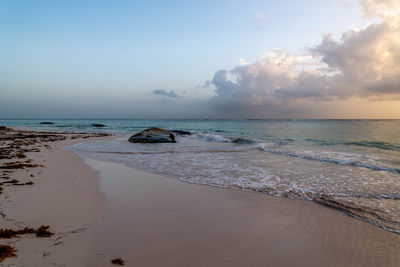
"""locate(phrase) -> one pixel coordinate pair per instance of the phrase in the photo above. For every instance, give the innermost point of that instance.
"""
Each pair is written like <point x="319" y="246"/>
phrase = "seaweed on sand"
<point x="19" y="165"/>
<point x="118" y="261"/>
<point x="42" y="231"/>
<point x="15" y="182"/>
<point x="7" y="251"/>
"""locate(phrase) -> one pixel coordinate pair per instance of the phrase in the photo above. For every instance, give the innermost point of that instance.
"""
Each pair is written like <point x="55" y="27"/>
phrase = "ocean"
<point x="351" y="165"/>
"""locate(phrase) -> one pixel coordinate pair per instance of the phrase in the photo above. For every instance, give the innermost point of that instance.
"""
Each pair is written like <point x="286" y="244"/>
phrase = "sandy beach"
<point x="200" y="133"/>
<point x="99" y="211"/>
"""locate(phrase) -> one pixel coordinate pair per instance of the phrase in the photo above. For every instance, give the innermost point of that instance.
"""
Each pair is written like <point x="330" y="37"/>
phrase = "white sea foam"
<point x="271" y="167"/>
<point x="212" y="137"/>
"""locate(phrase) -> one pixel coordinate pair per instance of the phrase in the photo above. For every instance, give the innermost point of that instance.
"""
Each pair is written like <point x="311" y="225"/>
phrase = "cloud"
<point x="380" y="8"/>
<point x="260" y="20"/>
<point x="242" y="62"/>
<point x="362" y="63"/>
<point x="165" y="93"/>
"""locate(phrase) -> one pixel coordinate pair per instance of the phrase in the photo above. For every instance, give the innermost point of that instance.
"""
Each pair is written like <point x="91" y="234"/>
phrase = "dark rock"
<point x="153" y="135"/>
<point x="242" y="141"/>
<point x="47" y="122"/>
<point x="98" y="125"/>
<point x="179" y="132"/>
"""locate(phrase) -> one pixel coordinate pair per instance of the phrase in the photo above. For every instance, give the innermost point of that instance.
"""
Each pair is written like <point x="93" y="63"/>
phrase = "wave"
<point x="212" y="137"/>
<point x="267" y="148"/>
<point x="239" y="140"/>
<point x="165" y="152"/>
<point x="355" y="208"/>
<point x="352" y="205"/>
<point x="273" y="147"/>
<point x="371" y="144"/>
<point x="376" y="144"/>
<point x="378" y="206"/>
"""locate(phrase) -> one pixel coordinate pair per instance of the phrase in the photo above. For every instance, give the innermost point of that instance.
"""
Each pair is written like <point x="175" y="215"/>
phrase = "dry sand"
<point x="150" y="220"/>
<point x="64" y="196"/>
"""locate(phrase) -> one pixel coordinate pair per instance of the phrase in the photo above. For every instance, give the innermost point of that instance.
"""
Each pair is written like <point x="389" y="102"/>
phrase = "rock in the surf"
<point x="180" y="132"/>
<point x="47" y="122"/>
<point x="153" y="135"/>
<point x="242" y="141"/>
<point x="98" y="125"/>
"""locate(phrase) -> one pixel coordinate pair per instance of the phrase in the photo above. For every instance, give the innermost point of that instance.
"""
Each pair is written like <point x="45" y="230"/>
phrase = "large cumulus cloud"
<point x="362" y="63"/>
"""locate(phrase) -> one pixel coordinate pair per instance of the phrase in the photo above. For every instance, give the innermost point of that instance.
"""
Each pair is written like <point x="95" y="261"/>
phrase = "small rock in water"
<point x="47" y="122"/>
<point x="180" y="132"/>
<point x="98" y="125"/>
<point x="153" y="135"/>
<point x="242" y="141"/>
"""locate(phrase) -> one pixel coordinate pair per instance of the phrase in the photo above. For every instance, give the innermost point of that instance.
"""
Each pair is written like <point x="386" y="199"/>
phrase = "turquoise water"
<point x="353" y="165"/>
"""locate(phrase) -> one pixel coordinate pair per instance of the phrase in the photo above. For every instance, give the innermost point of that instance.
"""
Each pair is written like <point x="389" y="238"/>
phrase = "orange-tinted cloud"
<point x="361" y="64"/>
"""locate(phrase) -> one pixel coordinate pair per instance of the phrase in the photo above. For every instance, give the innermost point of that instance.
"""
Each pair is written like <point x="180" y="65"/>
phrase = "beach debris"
<point x="47" y="122"/>
<point x="153" y="135"/>
<point x="13" y="145"/>
<point x="20" y="154"/>
<point x="118" y="261"/>
<point x="19" y="165"/>
<point x="9" y="233"/>
<point x="5" y="129"/>
<point x="15" y="182"/>
<point x="98" y="125"/>
<point x="45" y="254"/>
<point x="42" y="231"/>
<point x="7" y="251"/>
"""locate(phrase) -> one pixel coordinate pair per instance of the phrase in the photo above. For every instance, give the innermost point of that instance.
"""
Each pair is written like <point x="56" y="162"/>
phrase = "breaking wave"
<point x="362" y="183"/>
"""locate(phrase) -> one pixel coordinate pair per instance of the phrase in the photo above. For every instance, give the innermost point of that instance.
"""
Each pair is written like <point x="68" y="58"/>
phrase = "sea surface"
<point x="351" y="165"/>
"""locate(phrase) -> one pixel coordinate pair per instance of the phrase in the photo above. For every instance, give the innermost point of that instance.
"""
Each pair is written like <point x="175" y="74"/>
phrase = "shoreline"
<point x="165" y="222"/>
<point x="151" y="220"/>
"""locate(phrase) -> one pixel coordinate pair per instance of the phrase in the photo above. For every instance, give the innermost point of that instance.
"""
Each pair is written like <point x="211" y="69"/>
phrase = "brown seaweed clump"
<point x="7" y="251"/>
<point x="19" y="165"/>
<point x="8" y="233"/>
<point x="118" y="261"/>
<point x="42" y="231"/>
<point x="15" y="182"/>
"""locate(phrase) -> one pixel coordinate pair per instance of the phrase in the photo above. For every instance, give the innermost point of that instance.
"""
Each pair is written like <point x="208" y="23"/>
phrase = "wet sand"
<point x="109" y="211"/>
<point x="157" y="221"/>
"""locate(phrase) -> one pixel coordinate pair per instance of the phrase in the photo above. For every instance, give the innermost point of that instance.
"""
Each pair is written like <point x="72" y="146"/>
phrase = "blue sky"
<point x="96" y="58"/>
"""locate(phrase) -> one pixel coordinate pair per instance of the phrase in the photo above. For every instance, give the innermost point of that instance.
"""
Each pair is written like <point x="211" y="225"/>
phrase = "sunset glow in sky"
<point x="211" y="59"/>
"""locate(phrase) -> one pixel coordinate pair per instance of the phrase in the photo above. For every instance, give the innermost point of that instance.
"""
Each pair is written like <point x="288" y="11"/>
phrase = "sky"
<point x="203" y="59"/>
